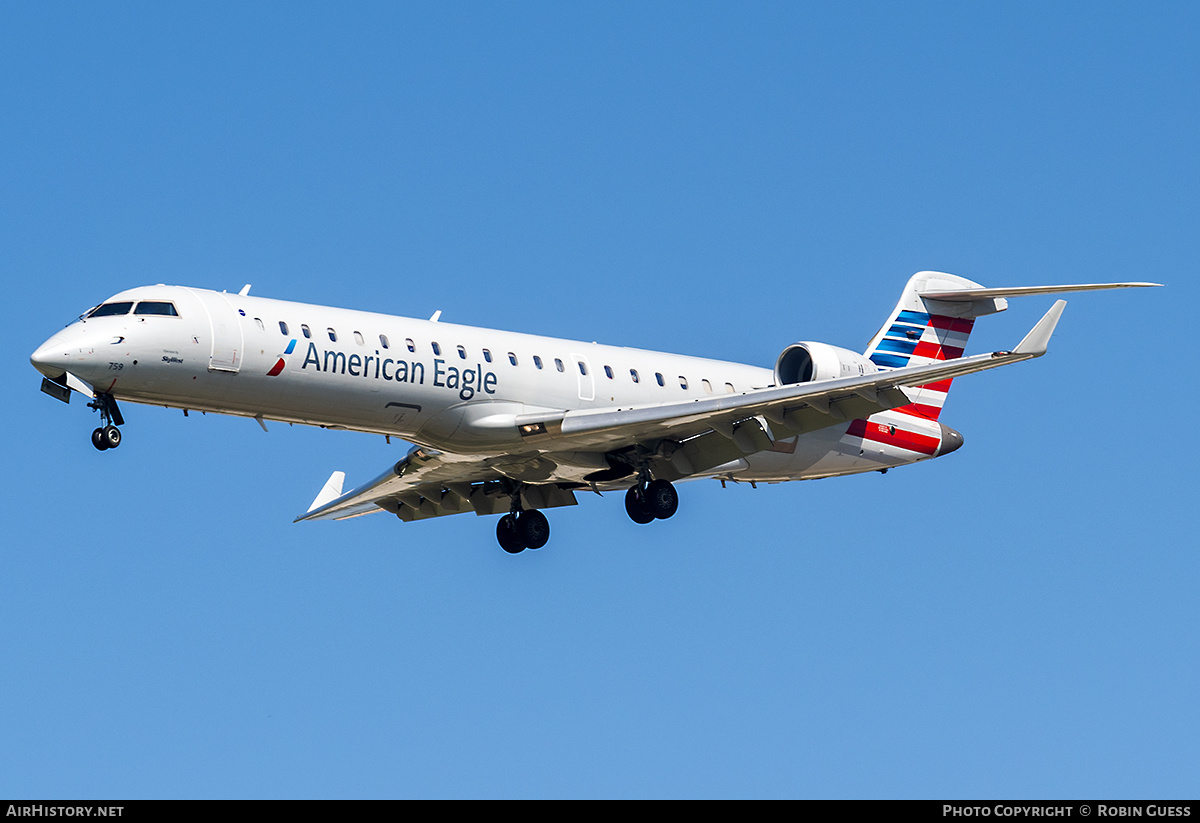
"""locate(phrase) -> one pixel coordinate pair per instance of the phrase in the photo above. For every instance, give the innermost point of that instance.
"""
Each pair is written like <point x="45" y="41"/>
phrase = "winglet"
<point x="1035" y="342"/>
<point x="332" y="490"/>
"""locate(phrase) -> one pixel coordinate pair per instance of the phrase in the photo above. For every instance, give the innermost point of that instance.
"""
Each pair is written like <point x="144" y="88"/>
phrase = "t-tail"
<point x="933" y="321"/>
<point x="921" y="331"/>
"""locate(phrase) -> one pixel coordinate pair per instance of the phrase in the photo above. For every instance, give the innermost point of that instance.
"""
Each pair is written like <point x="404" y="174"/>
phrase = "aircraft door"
<point x="226" y="331"/>
<point x="587" y="385"/>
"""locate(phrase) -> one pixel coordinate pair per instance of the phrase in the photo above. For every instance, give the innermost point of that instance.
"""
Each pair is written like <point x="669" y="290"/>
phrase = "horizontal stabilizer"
<point x="332" y="490"/>
<point x="968" y="295"/>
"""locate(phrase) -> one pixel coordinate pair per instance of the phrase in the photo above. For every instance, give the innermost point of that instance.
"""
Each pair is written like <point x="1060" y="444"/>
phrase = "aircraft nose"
<point x="70" y="350"/>
<point x="51" y="357"/>
<point x="951" y="441"/>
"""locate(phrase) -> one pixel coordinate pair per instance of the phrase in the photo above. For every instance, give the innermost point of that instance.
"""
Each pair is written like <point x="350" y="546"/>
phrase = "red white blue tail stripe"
<point x="916" y="338"/>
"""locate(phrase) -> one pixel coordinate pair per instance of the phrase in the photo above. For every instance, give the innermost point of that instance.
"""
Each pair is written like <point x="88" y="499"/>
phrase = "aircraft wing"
<point x="702" y="433"/>
<point x="429" y="483"/>
<point x="791" y="409"/>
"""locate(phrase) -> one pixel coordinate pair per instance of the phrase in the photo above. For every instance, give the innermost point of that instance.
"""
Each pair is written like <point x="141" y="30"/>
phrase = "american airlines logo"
<point x="467" y="382"/>
<point x="280" y="363"/>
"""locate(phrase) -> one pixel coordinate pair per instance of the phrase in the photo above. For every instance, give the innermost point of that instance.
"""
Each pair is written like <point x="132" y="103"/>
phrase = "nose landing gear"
<point x="107" y="436"/>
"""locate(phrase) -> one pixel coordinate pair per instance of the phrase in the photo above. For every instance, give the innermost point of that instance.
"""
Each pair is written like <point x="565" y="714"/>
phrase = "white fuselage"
<point x="455" y="388"/>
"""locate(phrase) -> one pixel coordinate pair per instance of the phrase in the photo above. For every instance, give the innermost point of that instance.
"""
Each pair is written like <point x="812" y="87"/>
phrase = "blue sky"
<point x="1016" y="620"/>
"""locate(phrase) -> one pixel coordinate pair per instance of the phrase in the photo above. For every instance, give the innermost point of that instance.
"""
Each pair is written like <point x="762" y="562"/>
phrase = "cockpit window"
<point x="110" y="309"/>
<point x="156" y="307"/>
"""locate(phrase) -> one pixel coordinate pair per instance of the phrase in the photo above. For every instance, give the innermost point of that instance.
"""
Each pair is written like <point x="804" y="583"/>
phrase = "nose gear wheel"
<point x="107" y="436"/>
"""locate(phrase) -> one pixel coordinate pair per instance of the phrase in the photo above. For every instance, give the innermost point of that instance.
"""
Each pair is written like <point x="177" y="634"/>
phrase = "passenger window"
<point x="258" y="322"/>
<point x="707" y="386"/>
<point x="512" y="358"/>
<point x="658" y="376"/>
<point x="487" y="355"/>
<point x="283" y="328"/>
<point x="408" y="342"/>
<point x="537" y="361"/>
<point x="682" y="382"/>
<point x="558" y="364"/>
<point x="582" y="366"/>
<point x="437" y="349"/>
<point x="332" y="335"/>
<point x="111" y="309"/>
<point x="304" y="328"/>
<point x="156" y="307"/>
<point x="633" y="375"/>
<point x="462" y="353"/>
<point x="383" y="341"/>
<point x="729" y="388"/>
<point x="358" y="338"/>
<point x="608" y="372"/>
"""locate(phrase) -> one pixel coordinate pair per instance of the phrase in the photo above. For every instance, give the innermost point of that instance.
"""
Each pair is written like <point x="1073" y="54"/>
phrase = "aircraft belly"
<point x="347" y="403"/>
<point x="882" y="441"/>
<point x="291" y="397"/>
<point x="816" y="454"/>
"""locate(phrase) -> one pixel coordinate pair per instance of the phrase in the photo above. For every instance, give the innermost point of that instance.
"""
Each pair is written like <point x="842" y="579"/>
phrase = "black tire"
<point x="112" y="437"/>
<point x="98" y="440"/>
<point x="662" y="498"/>
<point x="508" y="536"/>
<point x="534" y="529"/>
<point x="637" y="506"/>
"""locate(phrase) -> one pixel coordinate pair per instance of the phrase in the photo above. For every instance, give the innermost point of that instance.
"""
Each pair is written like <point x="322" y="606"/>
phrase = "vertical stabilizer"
<point x="921" y="330"/>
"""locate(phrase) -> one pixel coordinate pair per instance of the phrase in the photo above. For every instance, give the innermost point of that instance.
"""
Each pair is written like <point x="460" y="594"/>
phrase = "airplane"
<point x="512" y="424"/>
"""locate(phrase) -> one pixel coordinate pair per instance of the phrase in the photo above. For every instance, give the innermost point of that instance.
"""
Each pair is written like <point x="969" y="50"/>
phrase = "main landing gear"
<point x="518" y="531"/>
<point x="107" y="436"/>
<point x="656" y="500"/>
<point x="528" y="529"/>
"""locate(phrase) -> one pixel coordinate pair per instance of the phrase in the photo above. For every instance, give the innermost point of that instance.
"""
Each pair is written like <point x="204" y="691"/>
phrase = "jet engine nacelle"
<point x="807" y="362"/>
